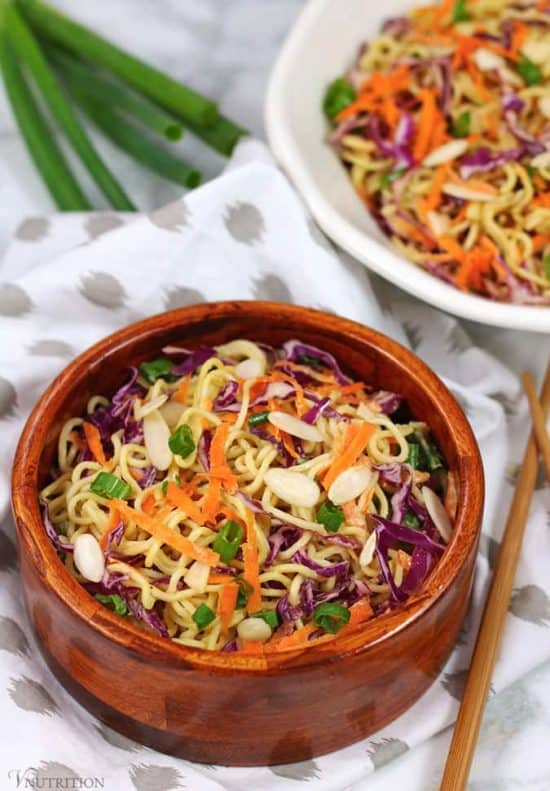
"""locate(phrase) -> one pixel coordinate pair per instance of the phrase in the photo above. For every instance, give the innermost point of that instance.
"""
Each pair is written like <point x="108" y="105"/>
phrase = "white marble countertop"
<point x="226" y="49"/>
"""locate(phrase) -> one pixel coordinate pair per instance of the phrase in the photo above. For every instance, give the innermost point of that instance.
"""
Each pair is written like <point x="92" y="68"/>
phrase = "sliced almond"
<point x="350" y="484"/>
<point x="294" y="488"/>
<point x="537" y="50"/>
<point x="197" y="576"/>
<point x="367" y="553"/>
<point x="171" y="411"/>
<point x="541" y="160"/>
<point x="439" y="223"/>
<point x="466" y="193"/>
<point x="254" y="629"/>
<point x="438" y="514"/>
<point x="445" y="153"/>
<point x="156" y="435"/>
<point x="249" y="369"/>
<point x="486" y="60"/>
<point x="88" y="557"/>
<point x="145" y="407"/>
<point x="544" y="105"/>
<point x="292" y="425"/>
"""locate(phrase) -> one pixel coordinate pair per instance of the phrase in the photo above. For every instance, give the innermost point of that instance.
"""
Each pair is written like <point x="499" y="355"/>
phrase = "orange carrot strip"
<point x="434" y="196"/>
<point x="288" y="443"/>
<point x="518" y="37"/>
<point x="219" y="579"/>
<point x="251" y="567"/>
<point x="359" y="612"/>
<point x="148" y="505"/>
<point x="540" y="241"/>
<point x="211" y="503"/>
<point x="113" y="522"/>
<point x="227" y="600"/>
<point x="182" y="391"/>
<point x="93" y="438"/>
<point x="181" y="500"/>
<point x="356" y="437"/>
<point x="426" y="124"/>
<point x="452" y="247"/>
<point x="155" y="527"/>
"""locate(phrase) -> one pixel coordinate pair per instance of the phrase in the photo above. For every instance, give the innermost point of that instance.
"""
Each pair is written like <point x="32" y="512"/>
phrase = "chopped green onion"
<point x="547" y="266"/>
<point x="156" y="369"/>
<point x="330" y="617"/>
<point x="203" y="615"/>
<point x="430" y="458"/>
<point x="113" y="602"/>
<point x="387" y="178"/>
<point x="107" y="485"/>
<point x="181" y="442"/>
<point x="47" y="156"/>
<point x="411" y="520"/>
<point x="529" y="71"/>
<point x="311" y="362"/>
<point x="245" y="590"/>
<point x="330" y="515"/>
<point x="269" y="616"/>
<point x="338" y="96"/>
<point x="179" y="98"/>
<point x="228" y="540"/>
<point x="223" y="135"/>
<point x="531" y="172"/>
<point x="461" y="126"/>
<point x="414" y="455"/>
<point x="258" y="418"/>
<point x="29" y="51"/>
<point x="460" y="12"/>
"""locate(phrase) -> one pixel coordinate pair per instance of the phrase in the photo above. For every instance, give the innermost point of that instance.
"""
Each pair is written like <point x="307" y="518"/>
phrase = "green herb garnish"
<point x="387" y="178"/>
<point x="529" y="71"/>
<point x="269" y="616"/>
<point x="461" y="126"/>
<point x="245" y="590"/>
<point x="228" y="540"/>
<point x="460" y="12"/>
<point x="414" y="455"/>
<point x="113" y="602"/>
<point x="181" y="442"/>
<point x="411" y="520"/>
<point x="107" y="485"/>
<point x="338" y="96"/>
<point x="258" y="418"/>
<point x="157" y="369"/>
<point x="203" y="615"/>
<point x="330" y="515"/>
<point x="330" y="617"/>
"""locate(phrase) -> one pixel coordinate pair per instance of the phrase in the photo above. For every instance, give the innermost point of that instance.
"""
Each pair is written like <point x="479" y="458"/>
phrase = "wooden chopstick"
<point x="461" y="751"/>
<point x="539" y="423"/>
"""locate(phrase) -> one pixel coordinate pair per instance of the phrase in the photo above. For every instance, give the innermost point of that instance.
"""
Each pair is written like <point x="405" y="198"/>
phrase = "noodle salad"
<point x="246" y="498"/>
<point x="444" y="126"/>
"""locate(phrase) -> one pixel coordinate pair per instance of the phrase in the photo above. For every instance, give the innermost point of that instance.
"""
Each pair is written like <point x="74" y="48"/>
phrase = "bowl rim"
<point x="385" y="261"/>
<point x="147" y="645"/>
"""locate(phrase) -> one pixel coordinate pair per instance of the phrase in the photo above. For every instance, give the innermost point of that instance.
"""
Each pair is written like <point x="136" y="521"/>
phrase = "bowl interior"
<point x="363" y="353"/>
<point x="323" y="45"/>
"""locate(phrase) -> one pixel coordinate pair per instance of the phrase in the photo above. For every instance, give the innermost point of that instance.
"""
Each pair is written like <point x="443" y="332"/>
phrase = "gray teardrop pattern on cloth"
<point x="530" y="603"/>
<point x="29" y="695"/>
<point x="103" y="289"/>
<point x="489" y="547"/>
<point x="8" y="399"/>
<point x="413" y="333"/>
<point x="303" y="770"/>
<point x="34" y="229"/>
<point x="172" y="217"/>
<point x="117" y="739"/>
<point x="12" y="637"/>
<point x="181" y="296"/>
<point x="14" y="301"/>
<point x="51" y="774"/>
<point x="98" y="223"/>
<point x="149" y="777"/>
<point x="50" y="348"/>
<point x="271" y="287"/>
<point x="386" y="750"/>
<point x="454" y="683"/>
<point x="245" y="223"/>
<point x="8" y="554"/>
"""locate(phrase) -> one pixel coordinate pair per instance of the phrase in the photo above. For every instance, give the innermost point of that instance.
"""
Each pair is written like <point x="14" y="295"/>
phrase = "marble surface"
<point x="226" y="49"/>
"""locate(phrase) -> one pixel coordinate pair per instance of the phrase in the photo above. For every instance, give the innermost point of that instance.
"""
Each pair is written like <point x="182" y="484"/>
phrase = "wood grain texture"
<point x="225" y="708"/>
<point x="470" y="715"/>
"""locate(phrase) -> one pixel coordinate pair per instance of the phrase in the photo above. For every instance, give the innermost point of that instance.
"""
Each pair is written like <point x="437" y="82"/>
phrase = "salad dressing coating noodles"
<point x="443" y="123"/>
<point x="245" y="498"/>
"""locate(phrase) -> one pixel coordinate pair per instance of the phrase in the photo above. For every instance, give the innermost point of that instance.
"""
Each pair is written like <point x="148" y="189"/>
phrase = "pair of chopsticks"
<point x="461" y="751"/>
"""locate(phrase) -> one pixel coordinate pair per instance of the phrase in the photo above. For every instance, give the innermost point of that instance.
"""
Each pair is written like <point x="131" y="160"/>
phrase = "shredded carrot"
<point x="93" y="438"/>
<point x="540" y="241"/>
<point x="541" y="200"/>
<point x="148" y="505"/>
<point x="443" y="10"/>
<point x="155" y="527"/>
<point x="301" y="403"/>
<point x="297" y="639"/>
<point x="289" y="444"/>
<point x="227" y="600"/>
<point x="219" y="579"/>
<point x="181" y="500"/>
<point x="218" y="467"/>
<point x="518" y="38"/>
<point x="211" y="503"/>
<point x="252" y="647"/>
<point x="183" y="389"/>
<point x="492" y="124"/>
<point x="359" y="612"/>
<point x="251" y="567"/>
<point x="114" y="520"/>
<point x="426" y="123"/>
<point x="434" y="195"/>
<point x="356" y="437"/>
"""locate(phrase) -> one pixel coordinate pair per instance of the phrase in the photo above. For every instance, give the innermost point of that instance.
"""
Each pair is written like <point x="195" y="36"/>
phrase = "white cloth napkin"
<point x="68" y="280"/>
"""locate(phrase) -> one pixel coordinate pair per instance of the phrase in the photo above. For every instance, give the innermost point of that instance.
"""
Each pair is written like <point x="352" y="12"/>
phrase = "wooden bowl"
<point x="221" y="707"/>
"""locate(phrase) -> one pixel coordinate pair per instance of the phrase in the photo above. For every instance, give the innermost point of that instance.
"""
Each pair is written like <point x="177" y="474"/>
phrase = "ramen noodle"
<point x="443" y="124"/>
<point x="246" y="498"/>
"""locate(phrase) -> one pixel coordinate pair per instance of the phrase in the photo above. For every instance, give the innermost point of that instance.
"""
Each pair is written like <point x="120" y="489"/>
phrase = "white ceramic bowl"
<point x="321" y="46"/>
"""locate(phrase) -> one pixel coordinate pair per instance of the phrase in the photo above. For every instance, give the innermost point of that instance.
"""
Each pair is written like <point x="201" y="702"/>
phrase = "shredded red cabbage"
<point x="387" y="402"/>
<point x="296" y="350"/>
<point x="194" y="361"/>
<point x="483" y="160"/>
<point x="334" y="570"/>
<point x="203" y="449"/>
<point x="59" y="544"/>
<point x="280" y="539"/>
